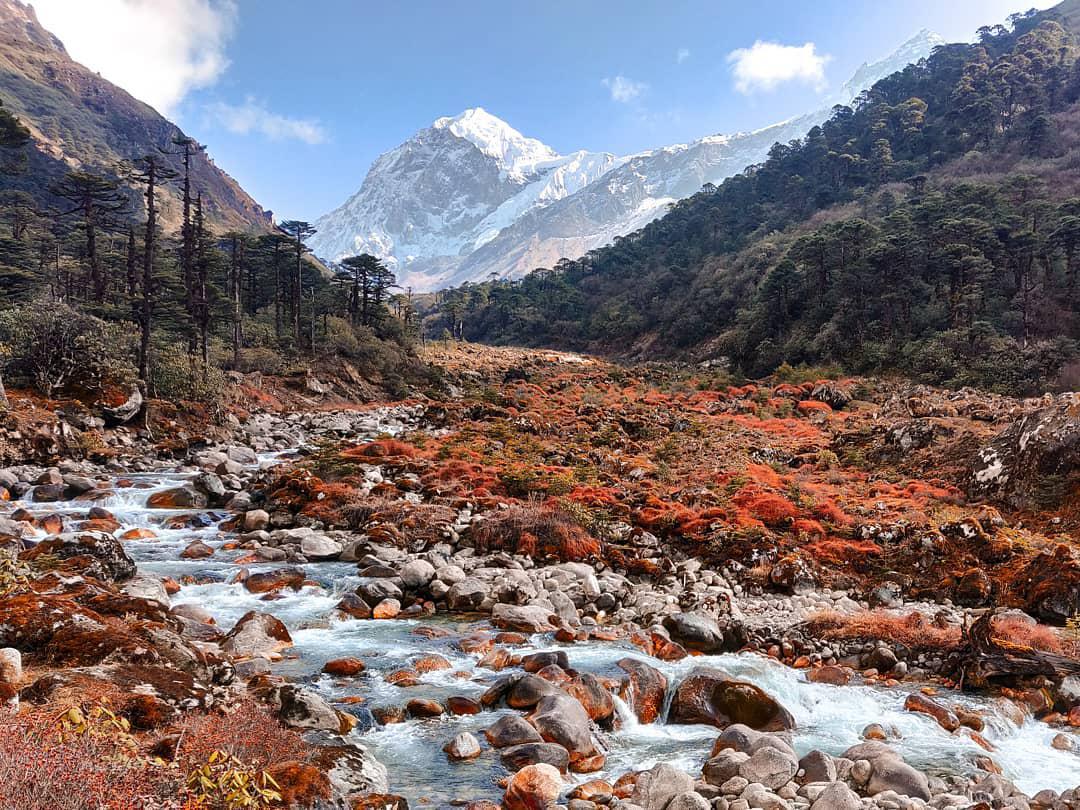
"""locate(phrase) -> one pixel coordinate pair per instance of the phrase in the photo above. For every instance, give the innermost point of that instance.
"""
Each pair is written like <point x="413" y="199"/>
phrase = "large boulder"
<point x="1038" y="449"/>
<point x="93" y="554"/>
<point x="520" y="618"/>
<point x="466" y="595"/>
<point x="183" y="497"/>
<point x="534" y="787"/>
<point x="517" y="757"/>
<point x="769" y="766"/>
<point x="836" y="796"/>
<point x="351" y="769"/>
<point x="644" y="688"/>
<point x="888" y="771"/>
<point x="708" y="696"/>
<point x="511" y="730"/>
<point x="697" y="631"/>
<point x="304" y="708"/>
<point x="257" y="635"/>
<point x="659" y="785"/>
<point x="562" y="719"/>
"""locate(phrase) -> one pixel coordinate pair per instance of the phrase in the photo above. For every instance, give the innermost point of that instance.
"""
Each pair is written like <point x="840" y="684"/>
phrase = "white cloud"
<point x="157" y="50"/>
<point x="682" y="55"/>
<point x="624" y="90"/>
<point x="765" y="65"/>
<point x="253" y="116"/>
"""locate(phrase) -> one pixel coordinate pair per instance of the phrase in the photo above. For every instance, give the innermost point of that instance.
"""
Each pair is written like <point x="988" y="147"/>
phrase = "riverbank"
<point x="612" y="552"/>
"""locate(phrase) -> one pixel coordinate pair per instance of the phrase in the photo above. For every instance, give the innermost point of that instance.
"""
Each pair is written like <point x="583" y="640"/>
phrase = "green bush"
<point x="57" y="349"/>
<point x="175" y="376"/>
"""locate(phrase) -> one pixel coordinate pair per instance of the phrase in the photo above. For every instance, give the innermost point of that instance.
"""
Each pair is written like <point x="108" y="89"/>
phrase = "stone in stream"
<point x="303" y="708"/>
<point x="256" y="520"/>
<point x="534" y="787"/>
<point x="386" y="609"/>
<point x="466" y="595"/>
<point x="185" y="497"/>
<point x="416" y="574"/>
<point x="422" y="708"/>
<point x="353" y="606"/>
<point x="709" y="697"/>
<point x="593" y="695"/>
<point x="523" y="618"/>
<point x="924" y="705"/>
<point x="268" y="581"/>
<point x="197" y="550"/>
<point x="344" y="667"/>
<point x="562" y="719"/>
<point x="769" y="766"/>
<point x="511" y="730"/>
<point x="516" y="757"/>
<point x="528" y="690"/>
<point x="459" y="705"/>
<point x="644" y="689"/>
<point x="463" y="746"/>
<point x="257" y="635"/>
<point x="697" y="632"/>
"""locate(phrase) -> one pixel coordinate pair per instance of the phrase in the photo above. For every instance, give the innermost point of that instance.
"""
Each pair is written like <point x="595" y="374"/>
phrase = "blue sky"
<point x="295" y="99"/>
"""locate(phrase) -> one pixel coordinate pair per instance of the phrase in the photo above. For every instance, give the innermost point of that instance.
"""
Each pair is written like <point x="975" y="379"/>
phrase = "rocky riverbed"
<point x="387" y="618"/>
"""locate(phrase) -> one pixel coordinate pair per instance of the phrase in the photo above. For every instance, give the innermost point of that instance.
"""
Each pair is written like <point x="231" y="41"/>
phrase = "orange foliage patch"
<point x="381" y="448"/>
<point x="542" y="532"/>
<point x="768" y="507"/>
<point x="912" y="630"/>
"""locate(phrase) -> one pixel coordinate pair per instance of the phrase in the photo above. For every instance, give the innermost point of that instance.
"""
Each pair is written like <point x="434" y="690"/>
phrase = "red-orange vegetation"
<point x="808" y="529"/>
<point x="39" y="767"/>
<point x="543" y="532"/>
<point x="768" y="507"/>
<point x="842" y="551"/>
<point x="1019" y="631"/>
<point x="300" y="783"/>
<point x="381" y="449"/>
<point x="809" y="406"/>
<point x="827" y="510"/>
<point x="248" y="732"/>
<point x="327" y="499"/>
<point x="912" y="630"/>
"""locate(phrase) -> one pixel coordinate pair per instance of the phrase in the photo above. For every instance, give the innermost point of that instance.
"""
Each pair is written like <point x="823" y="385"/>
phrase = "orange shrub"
<point x="912" y="630"/>
<point x="249" y="732"/>
<point x="382" y="448"/>
<point x="542" y="532"/>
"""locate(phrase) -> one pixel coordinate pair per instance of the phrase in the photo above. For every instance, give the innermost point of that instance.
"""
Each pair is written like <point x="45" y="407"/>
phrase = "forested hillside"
<point x="932" y="228"/>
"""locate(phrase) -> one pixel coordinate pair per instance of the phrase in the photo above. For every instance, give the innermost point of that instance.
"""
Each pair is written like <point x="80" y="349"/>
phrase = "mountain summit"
<point x="470" y="197"/>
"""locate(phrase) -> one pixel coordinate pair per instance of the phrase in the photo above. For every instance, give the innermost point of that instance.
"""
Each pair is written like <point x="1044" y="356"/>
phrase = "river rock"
<point x="836" y="796"/>
<point x="592" y="695"/>
<point x="304" y="708"/>
<point x="659" y="785"/>
<point x="534" y="787"/>
<point x="269" y="581"/>
<point x="644" y="689"/>
<point x="517" y="757"/>
<point x="924" y="705"/>
<point x="708" y="696"/>
<point x="562" y="719"/>
<point x="769" y="766"/>
<point x="256" y="520"/>
<point x="522" y="618"/>
<point x="319" y="547"/>
<point x="511" y="730"/>
<point x="528" y="690"/>
<point x="723" y="765"/>
<point x="463" y="746"/>
<point x="696" y="631"/>
<point x="185" y="497"/>
<point x="96" y="554"/>
<point x="10" y="666"/>
<point x="351" y="769"/>
<point x="344" y="667"/>
<point x="817" y="766"/>
<point x="257" y="635"/>
<point x="888" y="771"/>
<point x="466" y="595"/>
<point x="416" y="574"/>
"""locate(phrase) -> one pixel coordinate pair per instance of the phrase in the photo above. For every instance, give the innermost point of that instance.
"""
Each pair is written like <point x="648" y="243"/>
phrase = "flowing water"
<point x="828" y="717"/>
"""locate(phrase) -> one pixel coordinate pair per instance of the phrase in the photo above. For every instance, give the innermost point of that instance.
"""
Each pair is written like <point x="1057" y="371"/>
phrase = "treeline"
<point x="173" y="309"/>
<point x="856" y="244"/>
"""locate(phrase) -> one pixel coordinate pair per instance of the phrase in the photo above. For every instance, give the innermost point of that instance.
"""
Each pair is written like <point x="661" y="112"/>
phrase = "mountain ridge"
<point x="79" y="120"/>
<point x="535" y="219"/>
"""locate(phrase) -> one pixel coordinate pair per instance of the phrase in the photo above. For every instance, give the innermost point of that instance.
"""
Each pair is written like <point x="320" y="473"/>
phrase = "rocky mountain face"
<point x="80" y="120"/>
<point x="470" y="197"/>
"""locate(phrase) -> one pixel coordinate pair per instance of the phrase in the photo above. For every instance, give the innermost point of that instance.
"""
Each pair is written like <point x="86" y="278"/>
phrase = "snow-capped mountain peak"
<point x="470" y="196"/>
<point x="515" y="153"/>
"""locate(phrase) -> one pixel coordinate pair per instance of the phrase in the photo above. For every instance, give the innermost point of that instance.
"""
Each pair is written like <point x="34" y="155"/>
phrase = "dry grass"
<point x="913" y="630"/>
<point x="541" y="532"/>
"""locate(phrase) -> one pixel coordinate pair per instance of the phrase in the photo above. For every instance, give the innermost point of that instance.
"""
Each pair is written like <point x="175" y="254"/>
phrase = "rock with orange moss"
<point x="185" y="497"/>
<point x="344" y="667"/>
<point x="709" y="697"/>
<point x="93" y="554"/>
<point x="592" y="695"/>
<point x="534" y="787"/>
<point x="269" y="581"/>
<point x="561" y="719"/>
<point x="352" y="771"/>
<point x="379" y="801"/>
<point x="830" y="674"/>
<point x="924" y="705"/>
<point x="644" y="689"/>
